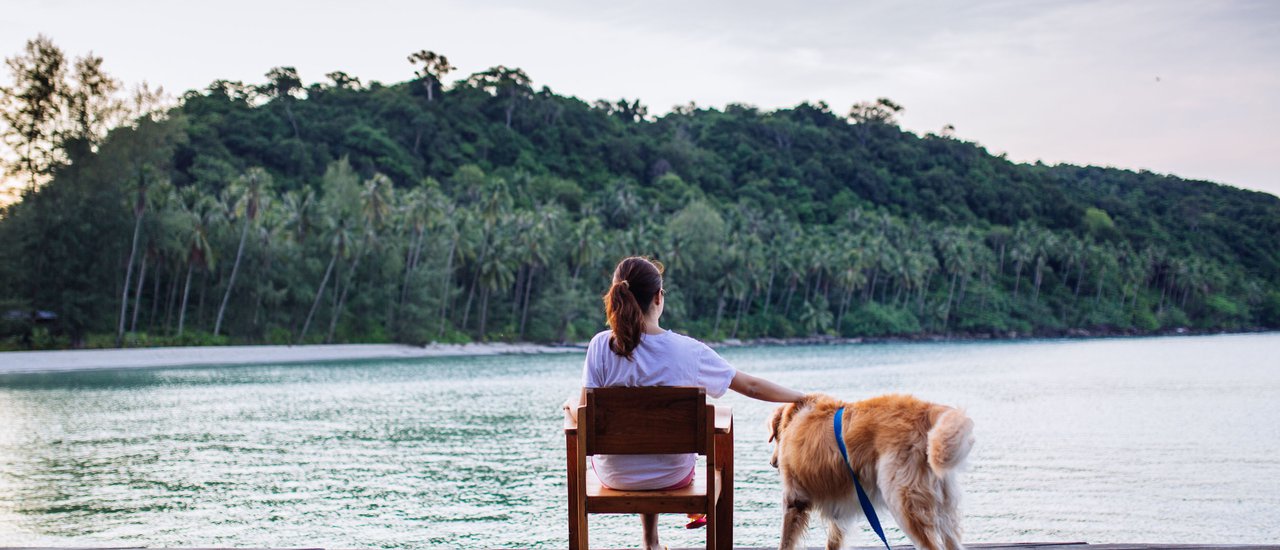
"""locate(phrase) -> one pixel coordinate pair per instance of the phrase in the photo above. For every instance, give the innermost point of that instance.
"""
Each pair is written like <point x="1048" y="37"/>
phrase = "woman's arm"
<point x="764" y="390"/>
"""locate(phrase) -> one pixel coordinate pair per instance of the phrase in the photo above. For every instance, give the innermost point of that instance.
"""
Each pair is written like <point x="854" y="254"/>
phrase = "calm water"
<point x="1156" y="440"/>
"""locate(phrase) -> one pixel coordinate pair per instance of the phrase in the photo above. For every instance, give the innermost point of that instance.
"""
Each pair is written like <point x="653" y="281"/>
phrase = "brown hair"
<point x="636" y="281"/>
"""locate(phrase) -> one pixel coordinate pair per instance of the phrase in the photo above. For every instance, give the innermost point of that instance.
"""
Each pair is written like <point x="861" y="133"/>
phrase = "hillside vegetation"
<point x="491" y="209"/>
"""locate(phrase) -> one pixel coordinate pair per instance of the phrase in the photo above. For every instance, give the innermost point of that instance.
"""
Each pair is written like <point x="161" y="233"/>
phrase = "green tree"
<point x="513" y="85"/>
<point x="31" y="108"/>
<point x="282" y="85"/>
<point x="91" y="104"/>
<point x="431" y="69"/>
<point x="1097" y="224"/>
<point x="343" y="81"/>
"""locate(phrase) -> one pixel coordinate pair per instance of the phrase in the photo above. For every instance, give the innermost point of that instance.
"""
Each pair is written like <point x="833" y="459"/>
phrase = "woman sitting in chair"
<point x="637" y="352"/>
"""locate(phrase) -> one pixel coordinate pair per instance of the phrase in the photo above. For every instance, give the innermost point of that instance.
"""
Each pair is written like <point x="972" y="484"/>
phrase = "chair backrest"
<point x="652" y="420"/>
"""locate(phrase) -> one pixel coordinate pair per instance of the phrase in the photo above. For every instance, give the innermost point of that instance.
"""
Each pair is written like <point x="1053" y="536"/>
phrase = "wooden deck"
<point x="1073" y="546"/>
<point x="983" y="546"/>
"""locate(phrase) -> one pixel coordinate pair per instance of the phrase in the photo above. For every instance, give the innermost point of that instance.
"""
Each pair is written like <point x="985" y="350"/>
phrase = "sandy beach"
<point x="95" y="359"/>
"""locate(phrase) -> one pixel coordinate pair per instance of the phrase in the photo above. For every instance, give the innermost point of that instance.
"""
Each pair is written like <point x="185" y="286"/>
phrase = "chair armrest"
<point x="571" y="423"/>
<point x="724" y="419"/>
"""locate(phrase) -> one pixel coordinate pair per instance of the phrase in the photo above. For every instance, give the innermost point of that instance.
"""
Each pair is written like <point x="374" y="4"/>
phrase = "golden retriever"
<point x="905" y="452"/>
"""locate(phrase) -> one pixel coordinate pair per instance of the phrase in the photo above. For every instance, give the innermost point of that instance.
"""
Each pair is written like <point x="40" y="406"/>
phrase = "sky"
<point x="1183" y="87"/>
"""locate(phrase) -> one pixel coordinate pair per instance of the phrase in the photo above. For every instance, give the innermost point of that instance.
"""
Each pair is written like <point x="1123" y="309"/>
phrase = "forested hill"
<point x="490" y="209"/>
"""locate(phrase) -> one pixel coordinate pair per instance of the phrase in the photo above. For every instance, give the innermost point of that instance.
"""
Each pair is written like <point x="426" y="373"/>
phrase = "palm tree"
<point x="886" y="262"/>
<point x="171" y="227"/>
<point x="1024" y="249"/>
<point x="998" y="237"/>
<point x="338" y="244"/>
<point x="419" y="209"/>
<point x="452" y="221"/>
<point x="272" y="231"/>
<point x="852" y="276"/>
<point x="493" y="273"/>
<point x="1073" y="255"/>
<point x="161" y="192"/>
<point x="753" y="261"/>
<point x="538" y="249"/>
<point x="1045" y="245"/>
<point x="200" y="210"/>
<point x="816" y="316"/>
<point x="493" y="209"/>
<point x="1103" y="258"/>
<point x="979" y="260"/>
<point x="375" y="206"/>
<point x="782" y="234"/>
<point x="140" y="187"/>
<point x="952" y="247"/>
<point x="244" y="199"/>
<point x="521" y="256"/>
<point x="586" y="247"/>
<point x="731" y="283"/>
<point x="337" y="211"/>
<point x="299" y="213"/>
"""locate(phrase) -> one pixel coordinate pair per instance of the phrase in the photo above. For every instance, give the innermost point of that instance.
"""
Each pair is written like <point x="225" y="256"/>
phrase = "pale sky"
<point x="1190" y="88"/>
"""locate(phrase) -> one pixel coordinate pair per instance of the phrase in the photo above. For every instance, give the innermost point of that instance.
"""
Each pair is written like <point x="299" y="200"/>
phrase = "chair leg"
<point x="577" y="529"/>
<point x="575" y="506"/>
<point x="713" y="516"/>
<point x="724" y="505"/>
<point x="582" y="532"/>
<point x="713" y="525"/>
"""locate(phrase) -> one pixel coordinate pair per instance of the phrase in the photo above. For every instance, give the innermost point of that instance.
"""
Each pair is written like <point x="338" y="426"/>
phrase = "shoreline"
<point x="47" y="361"/>
<point x="23" y="362"/>
<point x="1009" y="336"/>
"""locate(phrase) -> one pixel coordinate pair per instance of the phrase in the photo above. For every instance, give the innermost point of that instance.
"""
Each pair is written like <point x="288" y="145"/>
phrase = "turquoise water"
<point x="1155" y="440"/>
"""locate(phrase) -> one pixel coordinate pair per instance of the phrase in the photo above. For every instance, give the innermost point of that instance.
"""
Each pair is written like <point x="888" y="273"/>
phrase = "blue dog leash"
<point x="867" y="509"/>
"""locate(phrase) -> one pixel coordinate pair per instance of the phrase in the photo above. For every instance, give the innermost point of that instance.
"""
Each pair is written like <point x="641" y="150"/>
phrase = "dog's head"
<point x="778" y="422"/>
<point x="781" y="418"/>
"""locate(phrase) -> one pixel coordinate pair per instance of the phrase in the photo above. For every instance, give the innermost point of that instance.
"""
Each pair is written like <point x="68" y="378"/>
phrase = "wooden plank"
<point x="988" y="546"/>
<point x="724" y="420"/>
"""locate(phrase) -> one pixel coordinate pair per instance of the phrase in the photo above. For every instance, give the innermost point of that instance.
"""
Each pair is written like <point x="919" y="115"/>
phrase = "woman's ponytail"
<point x="625" y="318"/>
<point x="635" y="282"/>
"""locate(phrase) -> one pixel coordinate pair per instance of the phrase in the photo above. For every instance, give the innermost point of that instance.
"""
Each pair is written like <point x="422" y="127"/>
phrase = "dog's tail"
<point x="950" y="440"/>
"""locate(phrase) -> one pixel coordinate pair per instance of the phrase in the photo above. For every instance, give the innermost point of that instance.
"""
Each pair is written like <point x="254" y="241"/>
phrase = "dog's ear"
<point x="775" y="422"/>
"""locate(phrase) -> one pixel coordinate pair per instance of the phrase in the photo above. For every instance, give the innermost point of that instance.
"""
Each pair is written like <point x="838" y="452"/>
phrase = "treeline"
<point x="486" y="210"/>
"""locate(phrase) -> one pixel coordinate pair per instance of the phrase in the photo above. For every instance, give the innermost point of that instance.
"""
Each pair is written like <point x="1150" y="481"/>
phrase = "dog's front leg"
<point x="794" y="521"/>
<point x="835" y="534"/>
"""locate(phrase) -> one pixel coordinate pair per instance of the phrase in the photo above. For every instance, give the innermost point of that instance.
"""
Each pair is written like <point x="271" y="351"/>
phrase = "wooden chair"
<point x="655" y="420"/>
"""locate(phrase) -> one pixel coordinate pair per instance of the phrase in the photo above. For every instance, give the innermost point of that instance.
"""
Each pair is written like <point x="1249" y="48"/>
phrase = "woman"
<point x="638" y="352"/>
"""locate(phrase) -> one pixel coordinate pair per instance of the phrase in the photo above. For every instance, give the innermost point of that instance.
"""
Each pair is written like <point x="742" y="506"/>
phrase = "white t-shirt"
<point x="666" y="359"/>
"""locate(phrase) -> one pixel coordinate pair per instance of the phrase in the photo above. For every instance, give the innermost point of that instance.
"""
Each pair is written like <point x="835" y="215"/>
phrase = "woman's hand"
<point x="571" y="404"/>
<point x="568" y="410"/>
